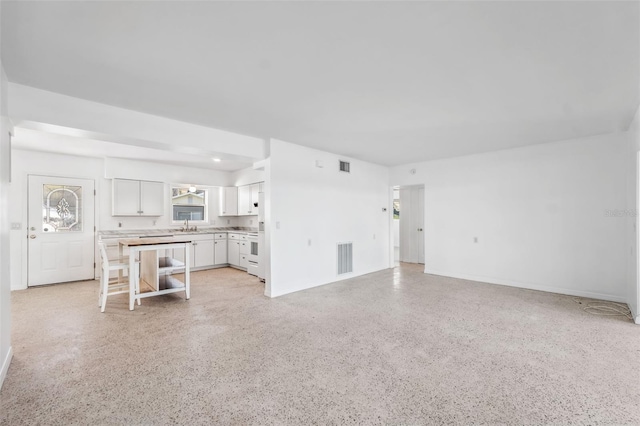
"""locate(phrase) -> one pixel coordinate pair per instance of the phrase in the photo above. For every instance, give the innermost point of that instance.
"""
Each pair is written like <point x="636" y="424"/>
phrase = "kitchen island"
<point x="155" y="270"/>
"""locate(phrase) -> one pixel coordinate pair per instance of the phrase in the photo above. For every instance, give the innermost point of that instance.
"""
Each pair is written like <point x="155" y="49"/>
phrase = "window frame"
<point x="205" y="205"/>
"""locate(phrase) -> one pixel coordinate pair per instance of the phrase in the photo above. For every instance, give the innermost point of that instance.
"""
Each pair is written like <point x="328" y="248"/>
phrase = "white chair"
<point x="119" y="285"/>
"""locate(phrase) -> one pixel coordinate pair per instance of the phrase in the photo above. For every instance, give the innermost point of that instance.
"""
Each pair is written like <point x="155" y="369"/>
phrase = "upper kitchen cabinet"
<point x="229" y="201"/>
<point x="137" y="198"/>
<point x="248" y="199"/>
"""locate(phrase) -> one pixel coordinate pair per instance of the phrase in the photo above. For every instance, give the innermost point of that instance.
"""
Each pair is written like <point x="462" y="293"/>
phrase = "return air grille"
<point x="345" y="166"/>
<point x="345" y="258"/>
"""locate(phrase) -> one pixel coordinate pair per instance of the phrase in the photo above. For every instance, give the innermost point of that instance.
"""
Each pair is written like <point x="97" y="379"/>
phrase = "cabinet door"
<point x="234" y="253"/>
<point x="229" y="201"/>
<point x="178" y="254"/>
<point x="203" y="255"/>
<point x="255" y="190"/>
<point x="244" y="247"/>
<point x="244" y="263"/>
<point x="220" y="252"/>
<point x="151" y="198"/>
<point x="244" y="200"/>
<point x="126" y="197"/>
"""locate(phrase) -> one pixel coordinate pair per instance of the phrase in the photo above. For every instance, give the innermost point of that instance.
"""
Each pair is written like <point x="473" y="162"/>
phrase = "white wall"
<point x="538" y="212"/>
<point x="41" y="163"/>
<point x="5" y="294"/>
<point x="323" y="206"/>
<point x="106" y="122"/>
<point x="246" y="177"/>
<point x="633" y="206"/>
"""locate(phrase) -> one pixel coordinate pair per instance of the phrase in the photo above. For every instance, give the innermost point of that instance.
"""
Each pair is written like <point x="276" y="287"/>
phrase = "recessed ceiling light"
<point x="217" y="160"/>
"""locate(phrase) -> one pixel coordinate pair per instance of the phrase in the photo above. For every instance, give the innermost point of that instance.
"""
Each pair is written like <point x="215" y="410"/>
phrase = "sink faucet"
<point x="186" y="228"/>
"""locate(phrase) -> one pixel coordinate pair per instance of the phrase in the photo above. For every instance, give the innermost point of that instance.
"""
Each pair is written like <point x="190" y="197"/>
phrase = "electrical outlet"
<point x="475" y="239"/>
<point x="119" y="224"/>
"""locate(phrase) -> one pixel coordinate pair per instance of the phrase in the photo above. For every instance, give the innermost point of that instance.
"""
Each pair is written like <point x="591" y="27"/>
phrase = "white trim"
<point x="340" y="278"/>
<point x="636" y="302"/>
<point x="634" y="315"/>
<point x="5" y="366"/>
<point x="529" y="286"/>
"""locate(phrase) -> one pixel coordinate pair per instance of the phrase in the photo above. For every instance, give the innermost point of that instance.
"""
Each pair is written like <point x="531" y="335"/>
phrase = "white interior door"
<point x="412" y="224"/>
<point x="419" y="222"/>
<point x="61" y="230"/>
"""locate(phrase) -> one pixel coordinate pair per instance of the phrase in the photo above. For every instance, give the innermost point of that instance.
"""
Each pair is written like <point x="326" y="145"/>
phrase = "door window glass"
<point x="61" y="208"/>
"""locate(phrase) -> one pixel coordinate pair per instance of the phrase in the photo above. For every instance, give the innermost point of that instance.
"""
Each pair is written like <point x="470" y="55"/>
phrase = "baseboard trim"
<point x="310" y="286"/>
<point x="634" y="315"/>
<point x="5" y="366"/>
<point x="529" y="286"/>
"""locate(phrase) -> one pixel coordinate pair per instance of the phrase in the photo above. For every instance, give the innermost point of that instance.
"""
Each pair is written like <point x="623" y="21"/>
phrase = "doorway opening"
<point x="408" y="224"/>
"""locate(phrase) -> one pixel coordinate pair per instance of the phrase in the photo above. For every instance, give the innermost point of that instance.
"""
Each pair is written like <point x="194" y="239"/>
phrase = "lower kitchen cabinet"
<point x="178" y="254"/>
<point x="220" y="251"/>
<point x="201" y="252"/>
<point x="234" y="252"/>
<point x="244" y="254"/>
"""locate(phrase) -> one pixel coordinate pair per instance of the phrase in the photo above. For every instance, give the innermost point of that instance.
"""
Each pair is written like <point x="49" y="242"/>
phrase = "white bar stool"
<point x="109" y="286"/>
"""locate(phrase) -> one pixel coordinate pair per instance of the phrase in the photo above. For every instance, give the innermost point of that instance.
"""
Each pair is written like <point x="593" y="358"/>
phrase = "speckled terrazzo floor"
<point x="394" y="347"/>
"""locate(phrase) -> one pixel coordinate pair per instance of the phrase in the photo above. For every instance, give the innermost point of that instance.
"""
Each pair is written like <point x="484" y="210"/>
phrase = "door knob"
<point x="33" y="228"/>
<point x="420" y="229"/>
<point x="32" y="236"/>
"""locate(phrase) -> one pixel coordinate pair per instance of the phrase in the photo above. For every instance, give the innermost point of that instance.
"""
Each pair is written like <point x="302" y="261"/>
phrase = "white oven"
<point x="253" y="256"/>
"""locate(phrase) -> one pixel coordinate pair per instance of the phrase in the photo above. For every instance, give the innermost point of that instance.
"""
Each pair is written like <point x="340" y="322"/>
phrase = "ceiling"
<point x="388" y="82"/>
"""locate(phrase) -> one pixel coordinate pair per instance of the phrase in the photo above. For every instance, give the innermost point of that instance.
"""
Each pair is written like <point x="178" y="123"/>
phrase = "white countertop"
<point x="125" y="233"/>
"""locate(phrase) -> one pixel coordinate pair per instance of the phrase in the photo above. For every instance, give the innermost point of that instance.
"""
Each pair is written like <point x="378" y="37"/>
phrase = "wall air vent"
<point x="345" y="258"/>
<point x="345" y="166"/>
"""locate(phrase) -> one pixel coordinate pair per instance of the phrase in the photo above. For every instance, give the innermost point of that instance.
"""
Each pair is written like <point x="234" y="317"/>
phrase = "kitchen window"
<point x="189" y="203"/>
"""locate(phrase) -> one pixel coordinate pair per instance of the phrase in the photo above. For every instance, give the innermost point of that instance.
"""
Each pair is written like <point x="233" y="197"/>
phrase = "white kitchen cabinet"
<point x="201" y="251"/>
<point x="137" y="198"/>
<point x="244" y="253"/>
<point x="220" y="249"/>
<point x="229" y="201"/>
<point x="233" y="252"/>
<point x="244" y="200"/>
<point x="255" y="191"/>
<point x="178" y="254"/>
<point x="248" y="199"/>
<point x="151" y="198"/>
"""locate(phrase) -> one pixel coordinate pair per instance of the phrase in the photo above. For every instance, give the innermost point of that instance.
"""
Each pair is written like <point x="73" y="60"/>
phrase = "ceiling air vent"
<point x="345" y="166"/>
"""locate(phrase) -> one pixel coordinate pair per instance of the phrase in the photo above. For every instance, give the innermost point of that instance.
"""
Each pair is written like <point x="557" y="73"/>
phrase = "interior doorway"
<point x="408" y="224"/>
